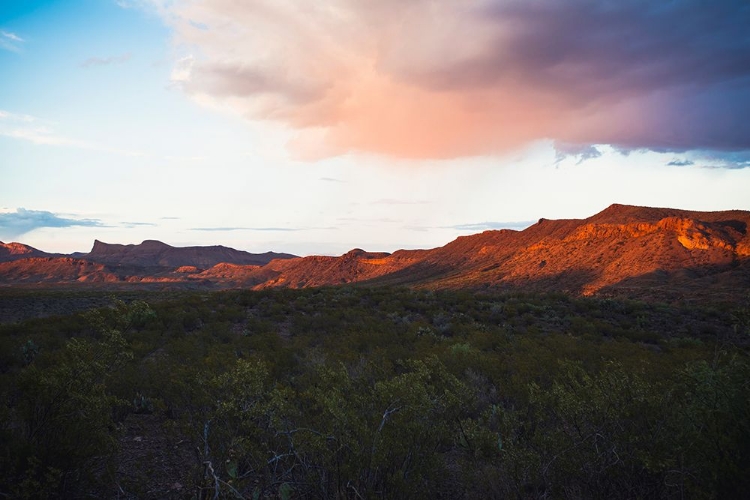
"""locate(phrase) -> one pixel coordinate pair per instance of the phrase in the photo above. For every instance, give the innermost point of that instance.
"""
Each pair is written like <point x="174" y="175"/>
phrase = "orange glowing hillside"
<point x="16" y="251"/>
<point x="628" y="250"/>
<point x="623" y="250"/>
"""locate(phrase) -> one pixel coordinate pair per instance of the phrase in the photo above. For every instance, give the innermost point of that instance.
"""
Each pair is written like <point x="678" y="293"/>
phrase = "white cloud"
<point x="485" y="226"/>
<point x="105" y="61"/>
<point x="182" y="70"/>
<point x="38" y="131"/>
<point x="12" y="36"/>
<point x="194" y="158"/>
<point x="133" y="4"/>
<point x="8" y="116"/>
<point x="10" y="41"/>
<point x="42" y="135"/>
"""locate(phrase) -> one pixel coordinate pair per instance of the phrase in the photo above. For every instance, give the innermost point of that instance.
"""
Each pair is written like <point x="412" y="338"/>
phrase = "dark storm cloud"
<point x="624" y="46"/>
<point x="686" y="64"/>
<point x="426" y="79"/>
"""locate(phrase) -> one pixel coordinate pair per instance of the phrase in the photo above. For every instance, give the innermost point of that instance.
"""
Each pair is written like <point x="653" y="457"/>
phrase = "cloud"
<point x="722" y="159"/>
<point x="182" y="70"/>
<point x="369" y="220"/>
<point x="737" y="165"/>
<point x="425" y="79"/>
<point x="582" y="152"/>
<point x="731" y="160"/>
<point x="10" y="41"/>
<point x="43" y="136"/>
<point x="681" y="163"/>
<point x="284" y="229"/>
<point x="269" y="229"/>
<point x="37" y="131"/>
<point x="106" y="61"/>
<point x="15" y="117"/>
<point x="392" y="201"/>
<point x="485" y="226"/>
<point x="11" y="36"/>
<point x="185" y="158"/>
<point x="22" y="221"/>
<point x="137" y="224"/>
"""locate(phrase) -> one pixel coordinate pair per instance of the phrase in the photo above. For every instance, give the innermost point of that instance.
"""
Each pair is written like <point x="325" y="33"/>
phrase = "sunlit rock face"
<point x="15" y="251"/>
<point x="623" y="250"/>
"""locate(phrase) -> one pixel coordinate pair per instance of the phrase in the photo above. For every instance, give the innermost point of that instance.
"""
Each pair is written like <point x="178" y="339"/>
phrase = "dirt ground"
<point x="154" y="461"/>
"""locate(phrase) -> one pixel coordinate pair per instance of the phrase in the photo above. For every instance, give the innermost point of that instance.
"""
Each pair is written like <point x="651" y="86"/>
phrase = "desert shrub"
<point x="60" y="418"/>
<point x="363" y="393"/>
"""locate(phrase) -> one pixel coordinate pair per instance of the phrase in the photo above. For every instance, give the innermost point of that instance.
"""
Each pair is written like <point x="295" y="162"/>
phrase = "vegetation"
<point x="379" y="392"/>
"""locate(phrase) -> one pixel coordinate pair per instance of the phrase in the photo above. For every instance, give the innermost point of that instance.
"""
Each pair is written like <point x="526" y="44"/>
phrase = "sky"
<point x="317" y="127"/>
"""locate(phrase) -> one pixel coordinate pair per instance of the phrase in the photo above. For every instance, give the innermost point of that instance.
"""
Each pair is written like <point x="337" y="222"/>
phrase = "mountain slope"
<point x="623" y="250"/>
<point x="614" y="248"/>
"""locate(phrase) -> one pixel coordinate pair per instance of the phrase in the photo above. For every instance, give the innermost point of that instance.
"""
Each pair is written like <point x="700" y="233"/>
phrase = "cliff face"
<point x="625" y="250"/>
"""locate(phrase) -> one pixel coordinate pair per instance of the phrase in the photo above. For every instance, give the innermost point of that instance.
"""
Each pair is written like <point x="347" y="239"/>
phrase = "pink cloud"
<point x="426" y="79"/>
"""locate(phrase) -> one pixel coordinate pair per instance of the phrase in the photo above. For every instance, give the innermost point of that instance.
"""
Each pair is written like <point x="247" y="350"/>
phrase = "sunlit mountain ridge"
<point x="623" y="250"/>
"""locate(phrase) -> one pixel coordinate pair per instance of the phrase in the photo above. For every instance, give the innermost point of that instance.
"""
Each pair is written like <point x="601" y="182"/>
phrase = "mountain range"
<point x="624" y="250"/>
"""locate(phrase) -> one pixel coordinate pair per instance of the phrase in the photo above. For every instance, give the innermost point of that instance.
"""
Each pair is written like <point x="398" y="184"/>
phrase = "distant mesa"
<point x="152" y="253"/>
<point x="641" y="252"/>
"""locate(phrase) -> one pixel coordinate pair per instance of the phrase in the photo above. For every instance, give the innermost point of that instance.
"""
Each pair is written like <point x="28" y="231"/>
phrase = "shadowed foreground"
<point x="382" y="392"/>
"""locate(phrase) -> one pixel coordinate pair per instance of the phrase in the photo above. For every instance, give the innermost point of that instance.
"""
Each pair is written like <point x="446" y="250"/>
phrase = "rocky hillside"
<point x="635" y="250"/>
<point x="15" y="251"/>
<point x="624" y="250"/>
<point x="54" y="270"/>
